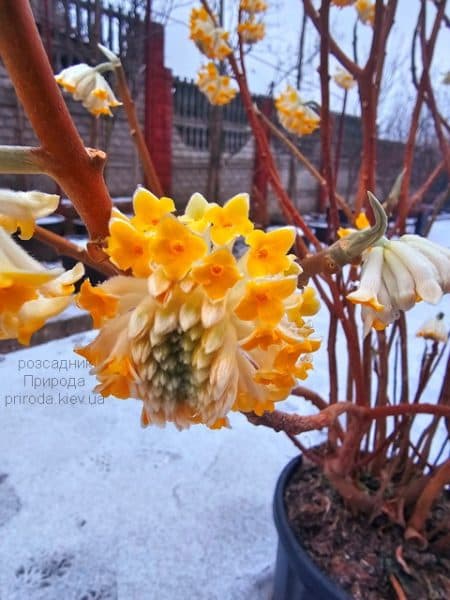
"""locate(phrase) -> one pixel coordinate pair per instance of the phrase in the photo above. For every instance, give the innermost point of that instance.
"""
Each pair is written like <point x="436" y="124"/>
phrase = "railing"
<point x="71" y="30"/>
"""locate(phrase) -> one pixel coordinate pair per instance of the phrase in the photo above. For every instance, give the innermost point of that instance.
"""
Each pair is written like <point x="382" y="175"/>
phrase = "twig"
<point x="325" y="121"/>
<point x="417" y="197"/>
<point x="410" y="142"/>
<point x="310" y="455"/>
<point x="337" y="156"/>
<point x="433" y="488"/>
<point x="151" y="176"/>
<point x="351" y="66"/>
<point x="295" y="424"/>
<point x="397" y="588"/>
<point x="66" y="248"/>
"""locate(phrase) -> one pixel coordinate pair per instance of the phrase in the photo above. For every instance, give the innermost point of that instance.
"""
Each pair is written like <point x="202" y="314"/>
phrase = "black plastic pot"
<point x="296" y="575"/>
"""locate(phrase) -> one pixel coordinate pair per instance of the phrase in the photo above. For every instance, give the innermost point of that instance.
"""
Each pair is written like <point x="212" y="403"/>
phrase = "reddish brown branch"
<point x="351" y="66"/>
<point x="306" y="163"/>
<point x="325" y="121"/>
<point x="410" y="142"/>
<point x="433" y="488"/>
<point x="65" y="248"/>
<point x="79" y="173"/>
<point x="296" y="424"/>
<point x="418" y="196"/>
<point x="150" y="174"/>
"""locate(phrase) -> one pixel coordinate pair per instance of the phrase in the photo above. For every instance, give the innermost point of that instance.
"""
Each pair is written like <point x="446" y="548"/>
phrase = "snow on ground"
<point x="93" y="507"/>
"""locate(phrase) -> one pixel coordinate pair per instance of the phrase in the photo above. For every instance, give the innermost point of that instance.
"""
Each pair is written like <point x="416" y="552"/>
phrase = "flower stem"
<point x="151" y="176"/>
<point x="20" y="160"/>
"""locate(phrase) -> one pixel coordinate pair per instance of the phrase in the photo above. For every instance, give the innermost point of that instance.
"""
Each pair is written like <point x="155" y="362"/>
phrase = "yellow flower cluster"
<point x="29" y="293"/>
<point x="251" y="30"/>
<point x="216" y="87"/>
<point x="210" y="39"/>
<point x="253" y="6"/>
<point x="366" y="11"/>
<point x="195" y="332"/>
<point x="294" y="115"/>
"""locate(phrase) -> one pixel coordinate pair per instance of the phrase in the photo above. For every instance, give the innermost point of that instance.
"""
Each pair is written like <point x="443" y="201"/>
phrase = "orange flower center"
<point x="263" y="253"/>
<point x="261" y="297"/>
<point x="216" y="270"/>
<point x="138" y="250"/>
<point x="177" y="247"/>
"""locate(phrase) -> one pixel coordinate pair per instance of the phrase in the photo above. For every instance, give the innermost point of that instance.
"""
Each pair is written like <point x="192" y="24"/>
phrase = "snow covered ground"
<point x="92" y="507"/>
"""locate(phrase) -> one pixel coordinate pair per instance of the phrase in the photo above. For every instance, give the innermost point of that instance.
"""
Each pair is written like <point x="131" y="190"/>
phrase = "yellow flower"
<point x="251" y="31"/>
<point x="342" y="3"/>
<point x="366" y="11"/>
<point x="263" y="300"/>
<point x="267" y="254"/>
<point x="149" y="210"/>
<point x="216" y="87"/>
<point x="29" y="293"/>
<point x="101" y="305"/>
<point x="199" y="336"/>
<point x="294" y="115"/>
<point x="361" y="222"/>
<point x="230" y="221"/>
<point x="195" y="214"/>
<point x="344" y="79"/>
<point x="308" y="305"/>
<point x="434" y="329"/>
<point x="253" y="6"/>
<point x="19" y="210"/>
<point x="87" y="85"/>
<point x="217" y="273"/>
<point x="128" y="248"/>
<point x="210" y="40"/>
<point x="176" y="248"/>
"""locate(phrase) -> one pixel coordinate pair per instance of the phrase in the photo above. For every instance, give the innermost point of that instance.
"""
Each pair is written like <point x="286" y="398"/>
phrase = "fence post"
<point x="159" y="106"/>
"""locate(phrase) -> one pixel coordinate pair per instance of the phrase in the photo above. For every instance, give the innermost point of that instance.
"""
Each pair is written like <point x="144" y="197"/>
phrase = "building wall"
<point x="182" y="159"/>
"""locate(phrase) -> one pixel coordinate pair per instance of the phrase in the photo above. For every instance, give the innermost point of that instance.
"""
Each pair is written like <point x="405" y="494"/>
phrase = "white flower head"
<point x="398" y="273"/>
<point x="19" y="210"/>
<point x="87" y="85"/>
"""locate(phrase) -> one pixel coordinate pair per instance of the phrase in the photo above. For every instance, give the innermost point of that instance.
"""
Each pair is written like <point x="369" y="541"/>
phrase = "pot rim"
<point x="298" y="556"/>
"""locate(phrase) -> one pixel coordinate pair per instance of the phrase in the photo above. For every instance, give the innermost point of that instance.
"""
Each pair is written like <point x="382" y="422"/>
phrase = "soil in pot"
<point x="361" y="557"/>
